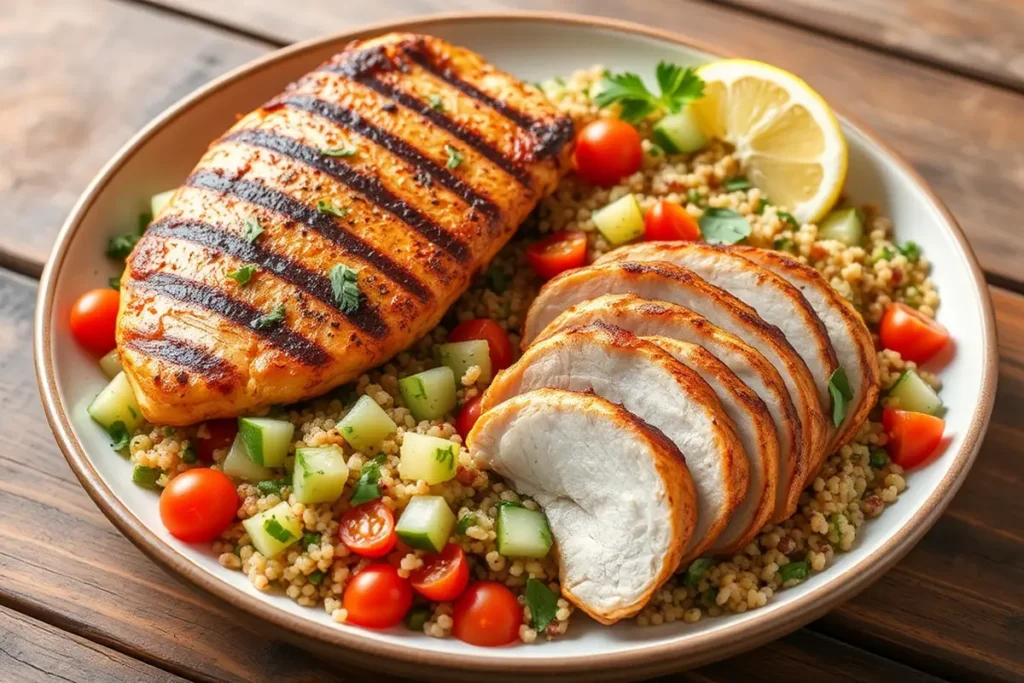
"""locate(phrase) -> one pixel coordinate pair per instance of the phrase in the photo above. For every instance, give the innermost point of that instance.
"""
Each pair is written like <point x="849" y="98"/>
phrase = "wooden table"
<point x="941" y="80"/>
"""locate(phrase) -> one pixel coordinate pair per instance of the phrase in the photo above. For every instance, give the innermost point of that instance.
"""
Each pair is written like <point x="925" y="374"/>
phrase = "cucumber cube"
<point x="522" y="532"/>
<point x="844" y="225"/>
<point x="320" y="474"/>
<point x="429" y="458"/>
<point x="426" y="523"/>
<point x="110" y="364"/>
<point x="912" y="393"/>
<point x="366" y="424"/>
<point x="116" y="403"/>
<point x="620" y="221"/>
<point x="266" y="440"/>
<point x="679" y="133"/>
<point x="461" y="356"/>
<point x="429" y="395"/>
<point x="273" y="530"/>
<point x="159" y="201"/>
<point x="238" y="465"/>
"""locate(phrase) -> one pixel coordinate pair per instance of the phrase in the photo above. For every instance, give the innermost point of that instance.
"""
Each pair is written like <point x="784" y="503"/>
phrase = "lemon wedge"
<point x="784" y="133"/>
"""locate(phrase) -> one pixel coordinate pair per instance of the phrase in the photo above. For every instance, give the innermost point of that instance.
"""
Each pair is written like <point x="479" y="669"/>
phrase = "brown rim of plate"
<point x="724" y="640"/>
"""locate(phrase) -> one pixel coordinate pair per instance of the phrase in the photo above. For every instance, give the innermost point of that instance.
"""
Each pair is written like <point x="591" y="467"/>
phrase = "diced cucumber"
<point x="320" y="474"/>
<point x="620" y="221"/>
<point x="679" y="133"/>
<point x="267" y="440"/>
<point x="429" y="458"/>
<point x="110" y="364"/>
<point x="429" y="394"/>
<point x="426" y="523"/>
<point x="273" y="530"/>
<point x="238" y="465"/>
<point x="159" y="201"/>
<point x="461" y="356"/>
<point x="366" y="424"/>
<point x="116" y="403"/>
<point x="522" y="532"/>
<point x="146" y="476"/>
<point x="844" y="225"/>
<point x="912" y="393"/>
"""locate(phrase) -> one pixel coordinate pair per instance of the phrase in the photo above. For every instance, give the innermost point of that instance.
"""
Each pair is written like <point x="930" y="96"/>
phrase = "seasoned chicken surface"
<point x="332" y="227"/>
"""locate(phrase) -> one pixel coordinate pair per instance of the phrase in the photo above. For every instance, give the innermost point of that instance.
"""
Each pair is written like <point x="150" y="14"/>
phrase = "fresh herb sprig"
<point x="345" y="288"/>
<point x="678" y="87"/>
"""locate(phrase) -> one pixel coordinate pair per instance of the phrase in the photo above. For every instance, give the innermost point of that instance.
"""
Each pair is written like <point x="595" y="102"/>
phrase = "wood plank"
<point x="962" y="135"/>
<point x="76" y="81"/>
<point x="55" y="543"/>
<point x="981" y="38"/>
<point x="34" y="652"/>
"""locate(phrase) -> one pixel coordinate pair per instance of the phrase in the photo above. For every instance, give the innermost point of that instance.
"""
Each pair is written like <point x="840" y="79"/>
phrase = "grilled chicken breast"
<point x="332" y="227"/>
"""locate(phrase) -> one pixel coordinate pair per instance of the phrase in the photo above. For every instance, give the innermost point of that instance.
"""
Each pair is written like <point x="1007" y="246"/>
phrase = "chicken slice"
<point x="617" y="493"/>
<point x="661" y="391"/>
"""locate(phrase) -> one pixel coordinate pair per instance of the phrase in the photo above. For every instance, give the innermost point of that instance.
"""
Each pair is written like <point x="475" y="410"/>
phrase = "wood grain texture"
<point x="76" y="81"/>
<point x="35" y="652"/>
<point x="981" y="38"/>
<point x="962" y="135"/>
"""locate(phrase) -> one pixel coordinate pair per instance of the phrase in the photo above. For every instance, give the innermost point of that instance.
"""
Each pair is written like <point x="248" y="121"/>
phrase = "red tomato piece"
<point x="93" y="320"/>
<point x="377" y="597"/>
<point x="913" y="437"/>
<point x="557" y="253"/>
<point x="669" y="221"/>
<point x="443" y="576"/>
<point x="369" y="529"/>
<point x="912" y="334"/>
<point x="488" y="614"/>
<point x="220" y="434"/>
<point x="498" y="343"/>
<point x="607" y="150"/>
<point x="198" y="504"/>
<point x="468" y="415"/>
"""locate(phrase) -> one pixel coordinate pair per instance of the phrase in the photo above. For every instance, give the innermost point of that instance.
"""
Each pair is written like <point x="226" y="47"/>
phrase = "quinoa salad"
<point x="300" y="550"/>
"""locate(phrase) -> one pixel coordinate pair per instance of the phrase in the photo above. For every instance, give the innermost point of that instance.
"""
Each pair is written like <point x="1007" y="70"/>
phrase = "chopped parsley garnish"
<point x="189" y="455"/>
<point x="115" y="282"/>
<point x="446" y="456"/>
<point x="783" y="244"/>
<point x="709" y="598"/>
<point x="884" y="255"/>
<point x="270" y="486"/>
<point x="497" y="282"/>
<point x="366" y="488"/>
<point x="543" y="604"/>
<point x="697" y="569"/>
<point x="315" y="577"/>
<point x="309" y="538"/>
<point x="243" y="274"/>
<point x="794" y="570"/>
<point x="910" y="250"/>
<point x="788" y="218"/>
<point x="464" y="523"/>
<point x="146" y="476"/>
<point x="436" y="103"/>
<point x="678" y="87"/>
<point x="252" y="230"/>
<point x="879" y="458"/>
<point x="655" y="151"/>
<point x="276" y="531"/>
<point x="269" y="320"/>
<point x="762" y="204"/>
<point x="454" y="157"/>
<point x="120" y="246"/>
<point x="839" y="390"/>
<point x="326" y="207"/>
<point x="723" y="226"/>
<point x="416" y="617"/>
<point x="693" y="196"/>
<point x="118" y="431"/>
<point x="345" y="287"/>
<point x="737" y="183"/>
<point x="339" y="151"/>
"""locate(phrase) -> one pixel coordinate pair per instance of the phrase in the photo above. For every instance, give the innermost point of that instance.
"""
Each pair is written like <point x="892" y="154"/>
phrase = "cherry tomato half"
<point x="94" y="318"/>
<point x="911" y="333"/>
<point x="198" y="504"/>
<point x="487" y="615"/>
<point x="497" y="341"/>
<point x="377" y="597"/>
<point x="468" y="416"/>
<point x="443" y="576"/>
<point x="607" y="150"/>
<point x="912" y="436"/>
<point x="669" y="221"/>
<point x="219" y="434"/>
<point x="369" y="529"/>
<point x="557" y="253"/>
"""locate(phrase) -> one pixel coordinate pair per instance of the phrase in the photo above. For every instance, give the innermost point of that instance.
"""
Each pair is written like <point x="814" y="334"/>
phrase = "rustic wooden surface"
<point x="78" y="602"/>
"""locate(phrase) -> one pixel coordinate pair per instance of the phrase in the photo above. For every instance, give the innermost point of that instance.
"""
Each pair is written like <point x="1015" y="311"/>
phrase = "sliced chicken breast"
<point x="756" y="432"/>
<point x="661" y="391"/>
<point x="659" y="281"/>
<point x="617" y="494"/>
<point x="851" y="339"/>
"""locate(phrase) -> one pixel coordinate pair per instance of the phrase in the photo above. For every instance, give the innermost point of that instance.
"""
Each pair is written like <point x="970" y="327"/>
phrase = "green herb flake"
<point x="655" y="151"/>
<point x="269" y="320"/>
<point x="454" y="157"/>
<point x="145" y="218"/>
<point x="543" y="604"/>
<point x="709" y="598"/>
<point x="189" y="455"/>
<point x="315" y="577"/>
<point x="839" y="390"/>
<point x="784" y="244"/>
<point x="366" y="488"/>
<point x="243" y="274"/>
<point x="723" y="226"/>
<point x="735" y="184"/>
<point x="276" y="531"/>
<point x="762" y="204"/>
<point x="329" y="209"/>
<point x="310" y="538"/>
<point x="345" y="287"/>
<point x="270" y="486"/>
<point x="417" y="617"/>
<point x="118" y="431"/>
<point x="497" y="281"/>
<point x="911" y="250"/>
<point x="885" y="254"/>
<point x="146" y="476"/>
<point x="466" y="521"/>
<point x="879" y="458"/>
<point x="446" y="456"/>
<point x="794" y="570"/>
<point x="693" y="196"/>
<point x="678" y="87"/>
<point x="436" y="103"/>
<point x="251" y="230"/>
<point x="697" y="569"/>
<point x="115" y="282"/>
<point x="787" y="217"/>
<point x="120" y="246"/>
<point x="338" y="151"/>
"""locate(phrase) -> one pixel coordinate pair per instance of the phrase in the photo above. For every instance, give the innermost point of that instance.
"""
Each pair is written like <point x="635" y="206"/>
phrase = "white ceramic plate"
<point x="532" y="47"/>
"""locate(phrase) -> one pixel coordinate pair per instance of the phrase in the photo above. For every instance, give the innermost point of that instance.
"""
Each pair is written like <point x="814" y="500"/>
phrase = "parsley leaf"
<point x="270" y="486"/>
<point x="879" y="458"/>
<point x="884" y="255"/>
<point x="315" y="577"/>
<point x="788" y="218"/>
<point x="794" y="570"/>
<point x="366" y="488"/>
<point x="243" y="274"/>
<point x="188" y="456"/>
<point x="839" y="390"/>
<point x="737" y="183"/>
<point x="543" y="604"/>
<point x="436" y="103"/>
<point x="253" y="229"/>
<point x="464" y="523"/>
<point x="911" y="250"/>
<point x="268" y="320"/>
<point x="723" y="226"/>
<point x="496" y="280"/>
<point x="454" y="157"/>
<point x="120" y="246"/>
<point x="118" y="431"/>
<point x="276" y="531"/>
<point x="338" y="151"/>
<point x="697" y="569"/>
<point x="345" y="287"/>
<point x="762" y="204"/>
<point x="330" y="209"/>
<point x="678" y="87"/>
<point x="310" y="538"/>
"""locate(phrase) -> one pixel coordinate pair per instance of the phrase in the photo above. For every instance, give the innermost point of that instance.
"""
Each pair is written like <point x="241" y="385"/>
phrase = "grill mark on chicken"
<point x="214" y="369"/>
<point x="351" y="120"/>
<point x="367" y="317"/>
<point x="366" y="185"/>
<point x="278" y="202"/>
<point x="206" y="297"/>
